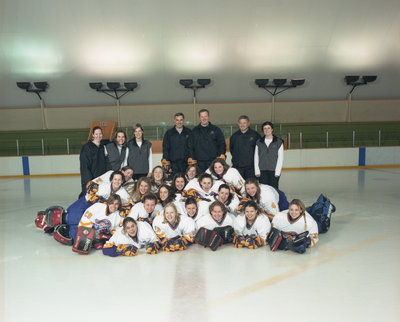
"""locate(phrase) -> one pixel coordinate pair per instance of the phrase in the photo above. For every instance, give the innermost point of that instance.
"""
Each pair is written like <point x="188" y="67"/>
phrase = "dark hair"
<point x="124" y="133"/>
<point x="224" y="164"/>
<point x="267" y="123"/>
<point x="205" y="176"/>
<point x="171" y="195"/>
<point x="255" y="182"/>
<point x="253" y="204"/>
<point x="230" y="197"/>
<point x="97" y="128"/>
<point x="150" y="196"/>
<point x="179" y="114"/>
<point x="115" y="173"/>
<point x="127" y="167"/>
<point x="191" y="201"/>
<point x="244" y="117"/>
<point x="204" y="110"/>
<point x="177" y="176"/>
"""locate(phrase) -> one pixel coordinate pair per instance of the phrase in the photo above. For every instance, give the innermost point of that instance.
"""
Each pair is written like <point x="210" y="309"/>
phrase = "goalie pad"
<point x="208" y="238"/>
<point x="55" y="216"/>
<point x="61" y="234"/>
<point x="40" y="222"/>
<point x="300" y="243"/>
<point x="226" y="233"/>
<point x="83" y="240"/>
<point x="274" y="239"/>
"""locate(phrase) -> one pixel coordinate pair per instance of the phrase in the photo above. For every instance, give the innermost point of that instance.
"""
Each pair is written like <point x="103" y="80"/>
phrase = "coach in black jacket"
<point x="175" y="146"/>
<point x="242" y="145"/>
<point x="206" y="143"/>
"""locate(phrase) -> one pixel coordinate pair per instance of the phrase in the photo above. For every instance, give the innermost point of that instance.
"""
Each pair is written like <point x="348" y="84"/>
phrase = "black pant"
<point x="268" y="177"/>
<point x="137" y="176"/>
<point x="203" y="165"/>
<point x="246" y="172"/>
<point x="178" y="166"/>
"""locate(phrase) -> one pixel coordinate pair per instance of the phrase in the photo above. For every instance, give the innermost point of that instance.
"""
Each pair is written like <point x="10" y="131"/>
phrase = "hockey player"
<point x="140" y="188"/>
<point x="218" y="217"/>
<point x="220" y="170"/>
<point x="265" y="196"/>
<point x="127" y="171"/>
<point x="192" y="172"/>
<point x="131" y="238"/>
<point x="176" y="232"/>
<point x="294" y="222"/>
<point x="251" y="228"/>
<point x="229" y="199"/>
<point x="76" y="210"/>
<point x="104" y="219"/>
<point x="178" y="185"/>
<point x="145" y="210"/>
<point x="204" y="188"/>
<point x="195" y="210"/>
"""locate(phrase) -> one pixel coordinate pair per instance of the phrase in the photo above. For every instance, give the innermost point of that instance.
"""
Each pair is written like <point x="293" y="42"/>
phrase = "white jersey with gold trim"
<point x="269" y="200"/>
<point x="291" y="228"/>
<point x="233" y="178"/>
<point x="96" y="217"/>
<point x="104" y="191"/>
<point x="260" y="227"/>
<point x="209" y="223"/>
<point x="138" y="211"/>
<point x="194" y="184"/>
<point x="186" y="227"/>
<point x="145" y="236"/>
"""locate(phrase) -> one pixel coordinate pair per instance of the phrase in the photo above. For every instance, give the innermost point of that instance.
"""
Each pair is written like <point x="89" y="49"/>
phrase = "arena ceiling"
<point x="157" y="42"/>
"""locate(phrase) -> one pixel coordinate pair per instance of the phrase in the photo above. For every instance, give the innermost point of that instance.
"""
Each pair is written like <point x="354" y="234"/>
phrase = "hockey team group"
<point x="126" y="207"/>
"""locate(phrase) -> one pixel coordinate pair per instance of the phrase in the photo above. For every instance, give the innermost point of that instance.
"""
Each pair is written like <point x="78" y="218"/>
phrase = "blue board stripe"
<point x="25" y="166"/>
<point x="361" y="157"/>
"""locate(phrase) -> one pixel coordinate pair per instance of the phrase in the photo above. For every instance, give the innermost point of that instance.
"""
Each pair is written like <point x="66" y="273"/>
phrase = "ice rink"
<point x="353" y="274"/>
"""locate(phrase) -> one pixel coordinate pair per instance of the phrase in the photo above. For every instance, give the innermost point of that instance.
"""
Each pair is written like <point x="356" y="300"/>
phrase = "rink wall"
<point x="293" y="159"/>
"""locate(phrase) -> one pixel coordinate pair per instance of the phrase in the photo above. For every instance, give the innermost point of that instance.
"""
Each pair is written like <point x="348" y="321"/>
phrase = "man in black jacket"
<point x="242" y="144"/>
<point x="206" y="143"/>
<point x="175" y="147"/>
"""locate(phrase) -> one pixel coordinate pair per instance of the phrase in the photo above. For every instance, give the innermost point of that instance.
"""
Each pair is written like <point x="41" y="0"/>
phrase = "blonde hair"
<point x="177" y="217"/>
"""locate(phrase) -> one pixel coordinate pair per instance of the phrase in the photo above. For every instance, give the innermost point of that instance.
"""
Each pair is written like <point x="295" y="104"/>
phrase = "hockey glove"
<point x="127" y="250"/>
<point x="153" y="248"/>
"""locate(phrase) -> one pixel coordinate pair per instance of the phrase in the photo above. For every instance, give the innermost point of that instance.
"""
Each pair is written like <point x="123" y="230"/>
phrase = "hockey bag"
<point x="83" y="240"/>
<point x="226" y="233"/>
<point x="55" y="215"/>
<point x="40" y="222"/>
<point x="283" y="202"/>
<point x="208" y="238"/>
<point x="321" y="211"/>
<point x="274" y="239"/>
<point x="61" y="234"/>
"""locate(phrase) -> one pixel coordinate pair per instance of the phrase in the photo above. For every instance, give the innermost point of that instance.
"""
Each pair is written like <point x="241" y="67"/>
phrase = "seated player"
<point x="251" y="228"/>
<point x="103" y="219"/>
<point x="178" y="185"/>
<point x="132" y="237"/>
<point x="176" y="232"/>
<point x="158" y="178"/>
<point x="166" y="195"/>
<point x="293" y="222"/>
<point x="220" y="170"/>
<point x="204" y="188"/>
<point x="265" y="196"/>
<point x="104" y="190"/>
<point x="144" y="210"/>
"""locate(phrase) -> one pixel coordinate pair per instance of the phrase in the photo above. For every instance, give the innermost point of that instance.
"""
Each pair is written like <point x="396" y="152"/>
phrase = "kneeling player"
<point x="298" y="229"/>
<point x="252" y="228"/>
<point x="130" y="238"/>
<point x="97" y="224"/>
<point x="176" y="232"/>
